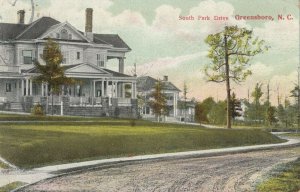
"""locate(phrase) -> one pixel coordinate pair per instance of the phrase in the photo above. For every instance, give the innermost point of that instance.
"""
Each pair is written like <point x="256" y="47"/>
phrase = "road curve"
<point x="236" y="172"/>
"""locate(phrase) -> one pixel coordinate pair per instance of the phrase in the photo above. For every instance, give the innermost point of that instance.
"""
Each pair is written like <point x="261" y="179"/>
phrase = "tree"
<point x="217" y="113"/>
<point x="185" y="88"/>
<point x="271" y="115"/>
<point x="296" y="94"/>
<point x="236" y="108"/>
<point x="230" y="51"/>
<point x="52" y="73"/>
<point x="159" y="102"/>
<point x="257" y="94"/>
<point x="202" y="109"/>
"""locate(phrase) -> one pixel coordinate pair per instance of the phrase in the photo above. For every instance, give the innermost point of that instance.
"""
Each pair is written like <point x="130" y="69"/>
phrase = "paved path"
<point x="235" y="172"/>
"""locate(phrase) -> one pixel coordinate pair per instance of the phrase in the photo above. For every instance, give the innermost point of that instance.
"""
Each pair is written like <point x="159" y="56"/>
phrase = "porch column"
<point x="133" y="90"/>
<point x="27" y="85"/>
<point x="121" y="65"/>
<point x="30" y="87"/>
<point x="112" y="89"/>
<point x="43" y="90"/>
<point x="22" y="87"/>
<point x="174" y="104"/>
<point x="106" y="88"/>
<point x="102" y="88"/>
<point x="123" y="90"/>
<point x="116" y="88"/>
<point x="94" y="89"/>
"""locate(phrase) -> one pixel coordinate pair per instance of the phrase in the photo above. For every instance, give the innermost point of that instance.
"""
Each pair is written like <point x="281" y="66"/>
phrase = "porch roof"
<point x="84" y="69"/>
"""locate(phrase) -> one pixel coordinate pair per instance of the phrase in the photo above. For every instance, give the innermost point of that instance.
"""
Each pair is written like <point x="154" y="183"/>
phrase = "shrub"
<point x="37" y="110"/>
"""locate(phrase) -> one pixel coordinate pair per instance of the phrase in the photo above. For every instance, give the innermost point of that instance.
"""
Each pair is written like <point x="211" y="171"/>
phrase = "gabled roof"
<point x="37" y="28"/>
<point x="146" y="83"/>
<point x="40" y="26"/>
<point x="70" y="69"/>
<point x="10" y="31"/>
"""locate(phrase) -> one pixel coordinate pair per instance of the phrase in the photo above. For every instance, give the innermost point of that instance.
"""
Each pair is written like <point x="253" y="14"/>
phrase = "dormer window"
<point x="64" y="34"/>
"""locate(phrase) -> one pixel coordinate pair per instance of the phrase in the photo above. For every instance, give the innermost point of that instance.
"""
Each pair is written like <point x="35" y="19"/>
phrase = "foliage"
<point x="52" y="73"/>
<point x="286" y="180"/>
<point x="202" y="109"/>
<point x="255" y="112"/>
<point x="35" y="144"/>
<point x="37" y="110"/>
<point x="236" y="108"/>
<point x="159" y="101"/>
<point x="257" y="94"/>
<point x="217" y="114"/>
<point x="270" y="115"/>
<point x="230" y="51"/>
<point x="11" y="186"/>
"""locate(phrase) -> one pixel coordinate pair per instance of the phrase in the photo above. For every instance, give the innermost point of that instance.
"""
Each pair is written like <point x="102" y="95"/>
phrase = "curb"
<point x="108" y="163"/>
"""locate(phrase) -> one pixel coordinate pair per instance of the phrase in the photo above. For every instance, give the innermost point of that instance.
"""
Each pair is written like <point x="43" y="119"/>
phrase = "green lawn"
<point x="11" y="186"/>
<point x="286" y="180"/>
<point x="33" y="144"/>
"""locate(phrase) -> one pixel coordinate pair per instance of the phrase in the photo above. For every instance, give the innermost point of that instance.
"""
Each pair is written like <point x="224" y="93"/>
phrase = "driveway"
<point x="236" y="172"/>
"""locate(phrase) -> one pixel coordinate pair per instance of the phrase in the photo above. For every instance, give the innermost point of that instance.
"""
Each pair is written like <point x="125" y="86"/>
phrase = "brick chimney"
<point x="89" y="24"/>
<point x="21" y="17"/>
<point x="166" y="78"/>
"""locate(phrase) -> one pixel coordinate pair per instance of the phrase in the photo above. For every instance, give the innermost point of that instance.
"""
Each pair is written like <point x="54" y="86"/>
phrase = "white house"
<point x="101" y="91"/>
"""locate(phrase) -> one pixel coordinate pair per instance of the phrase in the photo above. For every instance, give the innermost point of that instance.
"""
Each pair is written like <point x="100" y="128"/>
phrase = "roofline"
<point x="29" y="27"/>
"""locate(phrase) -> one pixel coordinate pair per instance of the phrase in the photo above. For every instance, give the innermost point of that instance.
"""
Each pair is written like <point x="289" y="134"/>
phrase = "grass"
<point x="11" y="186"/>
<point x="3" y="165"/>
<point x="34" y="144"/>
<point x="287" y="180"/>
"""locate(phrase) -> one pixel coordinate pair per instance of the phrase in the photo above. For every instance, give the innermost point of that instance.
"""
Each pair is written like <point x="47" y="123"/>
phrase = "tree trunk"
<point x="227" y="85"/>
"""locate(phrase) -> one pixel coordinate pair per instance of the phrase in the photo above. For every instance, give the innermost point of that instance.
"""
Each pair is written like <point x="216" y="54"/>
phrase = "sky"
<point x="162" y="44"/>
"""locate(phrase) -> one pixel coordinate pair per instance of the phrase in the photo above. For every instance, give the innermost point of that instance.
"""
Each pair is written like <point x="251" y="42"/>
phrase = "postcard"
<point x="161" y="95"/>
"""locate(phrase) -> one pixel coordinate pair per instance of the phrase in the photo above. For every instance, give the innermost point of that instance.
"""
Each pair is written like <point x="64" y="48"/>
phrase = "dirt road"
<point x="237" y="172"/>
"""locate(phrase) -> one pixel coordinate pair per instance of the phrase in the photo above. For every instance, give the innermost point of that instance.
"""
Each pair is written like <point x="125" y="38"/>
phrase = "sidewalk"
<point x="37" y="174"/>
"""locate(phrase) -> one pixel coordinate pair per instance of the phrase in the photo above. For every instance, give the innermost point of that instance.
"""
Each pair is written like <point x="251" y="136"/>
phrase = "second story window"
<point x="65" y="57"/>
<point x="27" y="57"/>
<point x="78" y="55"/>
<point x="100" y="61"/>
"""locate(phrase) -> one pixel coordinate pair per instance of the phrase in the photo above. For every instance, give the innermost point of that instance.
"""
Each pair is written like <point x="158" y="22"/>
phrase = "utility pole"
<point x="298" y="100"/>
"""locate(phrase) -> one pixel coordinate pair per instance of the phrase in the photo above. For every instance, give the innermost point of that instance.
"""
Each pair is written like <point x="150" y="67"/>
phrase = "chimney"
<point x="21" y="17"/>
<point x="89" y="24"/>
<point x="165" y="78"/>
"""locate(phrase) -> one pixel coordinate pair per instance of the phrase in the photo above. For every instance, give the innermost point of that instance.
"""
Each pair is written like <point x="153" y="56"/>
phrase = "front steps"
<point x="16" y="106"/>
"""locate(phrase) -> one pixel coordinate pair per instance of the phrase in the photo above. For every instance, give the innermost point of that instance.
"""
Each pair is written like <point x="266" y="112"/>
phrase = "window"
<point x="8" y="87"/>
<point x="65" y="57"/>
<point x="70" y="36"/>
<point x="78" y="55"/>
<point x="64" y="34"/>
<point x="27" y="57"/>
<point x="100" y="60"/>
<point x="57" y="36"/>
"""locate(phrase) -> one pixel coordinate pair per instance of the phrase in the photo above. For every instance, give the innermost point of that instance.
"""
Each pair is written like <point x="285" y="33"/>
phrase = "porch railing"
<point x="3" y="99"/>
<point x="124" y="102"/>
